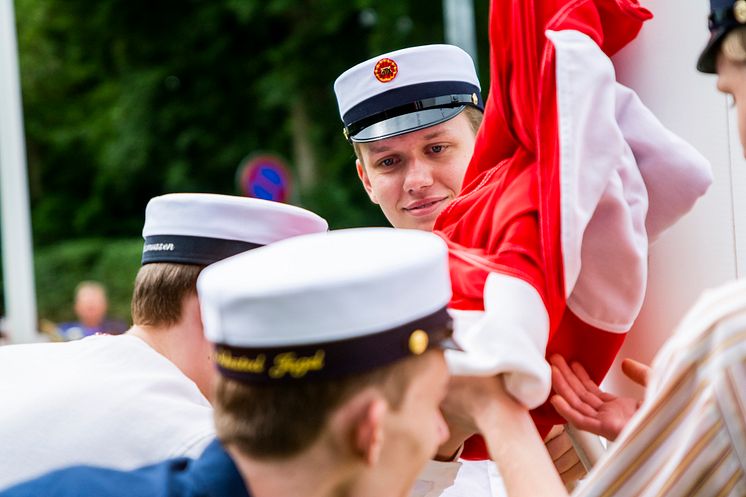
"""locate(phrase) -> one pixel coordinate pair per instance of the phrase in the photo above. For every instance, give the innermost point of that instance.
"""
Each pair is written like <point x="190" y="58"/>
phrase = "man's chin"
<point x="422" y="226"/>
<point x="411" y="223"/>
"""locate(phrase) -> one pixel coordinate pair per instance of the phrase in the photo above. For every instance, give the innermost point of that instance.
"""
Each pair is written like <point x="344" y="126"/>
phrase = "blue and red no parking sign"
<point x="266" y="177"/>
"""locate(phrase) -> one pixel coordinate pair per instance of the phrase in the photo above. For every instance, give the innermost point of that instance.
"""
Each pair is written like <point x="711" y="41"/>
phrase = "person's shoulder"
<point x="733" y="289"/>
<point x="717" y="305"/>
<point x="18" y="357"/>
<point x="67" y="325"/>
<point x="74" y="481"/>
<point x="714" y="326"/>
<point x="114" y="326"/>
<point x="71" y="330"/>
<point x="155" y="479"/>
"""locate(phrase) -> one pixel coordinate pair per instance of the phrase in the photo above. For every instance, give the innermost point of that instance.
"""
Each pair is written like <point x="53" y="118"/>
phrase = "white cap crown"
<point x="331" y="288"/>
<point x="201" y="228"/>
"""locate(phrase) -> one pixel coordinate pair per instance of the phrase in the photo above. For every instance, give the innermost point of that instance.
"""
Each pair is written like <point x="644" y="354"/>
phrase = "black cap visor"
<point x="707" y="62"/>
<point x="725" y="15"/>
<point x="406" y="123"/>
<point x="409" y="108"/>
<point x="448" y="343"/>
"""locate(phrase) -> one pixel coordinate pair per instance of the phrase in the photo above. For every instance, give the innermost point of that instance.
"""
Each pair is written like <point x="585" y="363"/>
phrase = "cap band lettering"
<point x="327" y="360"/>
<point x="191" y="249"/>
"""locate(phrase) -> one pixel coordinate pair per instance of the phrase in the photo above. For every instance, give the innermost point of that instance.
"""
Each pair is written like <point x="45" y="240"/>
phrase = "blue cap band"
<point x="329" y="360"/>
<point x="191" y="249"/>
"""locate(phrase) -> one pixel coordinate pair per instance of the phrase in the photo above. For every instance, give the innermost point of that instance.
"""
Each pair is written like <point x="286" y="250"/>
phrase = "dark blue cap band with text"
<point x="328" y="360"/>
<point x="198" y="250"/>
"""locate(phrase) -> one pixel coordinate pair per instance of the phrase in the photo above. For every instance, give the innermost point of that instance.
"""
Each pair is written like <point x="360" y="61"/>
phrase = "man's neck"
<point x="177" y="344"/>
<point x="313" y="474"/>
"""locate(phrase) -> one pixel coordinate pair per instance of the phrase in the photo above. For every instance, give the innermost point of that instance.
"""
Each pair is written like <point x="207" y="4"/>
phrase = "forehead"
<point x="434" y="371"/>
<point x="431" y="382"/>
<point x="90" y="291"/>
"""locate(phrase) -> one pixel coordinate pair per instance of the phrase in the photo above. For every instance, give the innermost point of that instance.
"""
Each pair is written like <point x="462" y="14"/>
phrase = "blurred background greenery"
<point x="128" y="99"/>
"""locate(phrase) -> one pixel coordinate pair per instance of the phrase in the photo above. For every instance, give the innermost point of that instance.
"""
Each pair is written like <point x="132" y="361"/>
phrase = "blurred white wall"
<point x="708" y="247"/>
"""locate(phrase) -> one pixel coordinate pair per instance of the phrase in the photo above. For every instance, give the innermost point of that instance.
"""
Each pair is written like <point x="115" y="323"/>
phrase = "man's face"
<point x="90" y="306"/>
<point x="413" y="432"/>
<point x="732" y="80"/>
<point x="414" y="176"/>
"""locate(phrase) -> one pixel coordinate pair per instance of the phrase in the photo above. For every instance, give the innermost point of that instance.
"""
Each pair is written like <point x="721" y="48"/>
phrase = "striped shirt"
<point x="689" y="436"/>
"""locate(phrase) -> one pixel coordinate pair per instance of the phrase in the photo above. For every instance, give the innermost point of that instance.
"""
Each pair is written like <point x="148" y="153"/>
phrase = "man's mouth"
<point x="423" y="206"/>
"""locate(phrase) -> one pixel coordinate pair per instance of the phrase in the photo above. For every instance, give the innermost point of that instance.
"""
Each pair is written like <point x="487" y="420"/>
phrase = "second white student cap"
<point x="202" y="228"/>
<point x="327" y="305"/>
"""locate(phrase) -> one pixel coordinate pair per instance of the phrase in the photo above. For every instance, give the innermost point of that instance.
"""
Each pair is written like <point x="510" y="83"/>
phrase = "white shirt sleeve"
<point x="509" y="338"/>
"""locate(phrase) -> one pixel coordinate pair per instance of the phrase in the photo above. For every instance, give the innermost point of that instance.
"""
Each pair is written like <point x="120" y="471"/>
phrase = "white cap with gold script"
<point x="345" y="301"/>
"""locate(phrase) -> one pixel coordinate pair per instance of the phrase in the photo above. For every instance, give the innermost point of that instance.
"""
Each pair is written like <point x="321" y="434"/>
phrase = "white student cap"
<point x="202" y="228"/>
<point x="327" y="305"/>
<point x="406" y="90"/>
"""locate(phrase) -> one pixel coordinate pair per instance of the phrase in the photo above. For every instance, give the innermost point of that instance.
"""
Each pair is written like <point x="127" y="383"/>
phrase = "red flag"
<point x="559" y="188"/>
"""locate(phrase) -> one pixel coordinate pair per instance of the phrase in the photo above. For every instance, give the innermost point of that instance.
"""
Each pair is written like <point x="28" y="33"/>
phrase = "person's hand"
<point x="468" y="407"/>
<point x="584" y="405"/>
<point x="471" y="399"/>
<point x="466" y="396"/>
<point x="564" y="457"/>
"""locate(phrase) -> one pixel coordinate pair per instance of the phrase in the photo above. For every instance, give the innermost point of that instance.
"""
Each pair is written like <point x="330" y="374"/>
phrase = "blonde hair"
<point x="733" y="47"/>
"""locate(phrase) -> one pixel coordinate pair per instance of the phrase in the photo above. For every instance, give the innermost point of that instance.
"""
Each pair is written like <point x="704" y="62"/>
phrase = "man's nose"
<point x="419" y="175"/>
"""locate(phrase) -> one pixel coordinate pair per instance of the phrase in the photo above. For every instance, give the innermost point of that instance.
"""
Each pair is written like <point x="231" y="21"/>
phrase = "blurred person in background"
<point x="91" y="306"/>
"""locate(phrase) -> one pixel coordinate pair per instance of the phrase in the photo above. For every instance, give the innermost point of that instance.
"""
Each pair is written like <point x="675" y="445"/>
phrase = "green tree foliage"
<point x="59" y="269"/>
<point x="127" y="99"/>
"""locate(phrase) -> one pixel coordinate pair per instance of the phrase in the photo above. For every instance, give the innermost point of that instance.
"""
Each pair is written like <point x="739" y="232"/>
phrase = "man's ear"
<point x="369" y="431"/>
<point x="363" y="175"/>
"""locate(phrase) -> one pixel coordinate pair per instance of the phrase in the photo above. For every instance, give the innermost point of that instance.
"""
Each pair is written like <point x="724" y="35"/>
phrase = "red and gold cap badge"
<point x="385" y="70"/>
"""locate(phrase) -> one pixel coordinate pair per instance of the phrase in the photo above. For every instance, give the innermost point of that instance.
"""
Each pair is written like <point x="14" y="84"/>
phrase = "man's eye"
<point x="437" y="148"/>
<point x="388" y="162"/>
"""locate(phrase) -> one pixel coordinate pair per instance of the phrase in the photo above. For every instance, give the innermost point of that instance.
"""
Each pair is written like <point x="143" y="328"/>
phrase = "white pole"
<point x="459" y="25"/>
<point x="18" y="272"/>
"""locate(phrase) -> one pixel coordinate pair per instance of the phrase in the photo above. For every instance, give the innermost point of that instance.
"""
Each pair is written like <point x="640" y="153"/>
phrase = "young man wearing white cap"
<point x="412" y="117"/>
<point x="124" y="401"/>
<point x="330" y="373"/>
